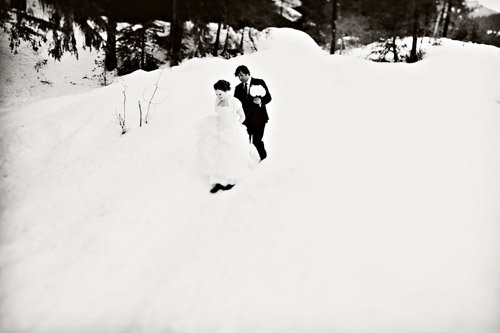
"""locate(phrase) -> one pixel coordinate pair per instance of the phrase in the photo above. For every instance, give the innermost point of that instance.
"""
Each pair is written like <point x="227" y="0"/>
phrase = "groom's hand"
<point x="257" y="100"/>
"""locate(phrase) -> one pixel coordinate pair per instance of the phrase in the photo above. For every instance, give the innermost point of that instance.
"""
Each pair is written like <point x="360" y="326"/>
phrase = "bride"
<point x="224" y="151"/>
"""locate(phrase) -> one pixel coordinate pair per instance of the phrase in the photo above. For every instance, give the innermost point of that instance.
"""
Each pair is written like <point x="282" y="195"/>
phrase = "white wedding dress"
<point x="224" y="151"/>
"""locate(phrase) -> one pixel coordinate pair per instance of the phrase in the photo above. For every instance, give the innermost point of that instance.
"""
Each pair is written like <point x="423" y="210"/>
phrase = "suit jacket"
<point x="255" y="115"/>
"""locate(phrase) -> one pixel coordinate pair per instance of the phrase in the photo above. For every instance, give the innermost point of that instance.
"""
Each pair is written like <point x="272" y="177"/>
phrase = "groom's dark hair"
<point x="243" y="69"/>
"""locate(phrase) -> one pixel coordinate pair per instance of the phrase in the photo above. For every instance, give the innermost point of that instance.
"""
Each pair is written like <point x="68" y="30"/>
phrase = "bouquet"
<point x="257" y="91"/>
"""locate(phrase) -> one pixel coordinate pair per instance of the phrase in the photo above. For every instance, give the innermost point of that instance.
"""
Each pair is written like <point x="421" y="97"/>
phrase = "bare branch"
<point x="121" y="120"/>
<point x="140" y="113"/>
<point x="153" y="95"/>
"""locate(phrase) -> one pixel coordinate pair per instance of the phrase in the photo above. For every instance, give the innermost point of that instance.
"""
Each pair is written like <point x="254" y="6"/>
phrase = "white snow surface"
<point x="492" y="4"/>
<point x="377" y="210"/>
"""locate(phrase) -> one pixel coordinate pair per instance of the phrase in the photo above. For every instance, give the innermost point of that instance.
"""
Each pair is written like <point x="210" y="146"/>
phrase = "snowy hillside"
<point x="377" y="209"/>
<point x="27" y="76"/>
<point x="478" y="10"/>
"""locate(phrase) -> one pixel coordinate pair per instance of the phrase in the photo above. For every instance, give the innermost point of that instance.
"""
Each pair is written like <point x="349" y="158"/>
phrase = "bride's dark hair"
<point x="222" y="85"/>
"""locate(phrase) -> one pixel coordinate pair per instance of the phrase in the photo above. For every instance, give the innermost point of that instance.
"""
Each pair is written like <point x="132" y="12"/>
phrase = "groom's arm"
<point x="267" y="98"/>
<point x="237" y="93"/>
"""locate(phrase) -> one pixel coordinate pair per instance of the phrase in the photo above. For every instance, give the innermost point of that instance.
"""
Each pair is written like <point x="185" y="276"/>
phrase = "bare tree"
<point x="334" y="26"/>
<point x="442" y="8"/>
<point x="447" y="19"/>
<point x="176" y="33"/>
<point x="146" y="120"/>
<point x="217" y="40"/>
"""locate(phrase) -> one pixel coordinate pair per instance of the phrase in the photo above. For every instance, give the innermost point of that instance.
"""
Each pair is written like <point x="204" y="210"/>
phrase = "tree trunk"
<point x="224" y="50"/>
<point x="448" y="18"/>
<point x="395" y="49"/>
<point x="217" y="40"/>
<point x="199" y="33"/>
<point x="88" y="37"/>
<point x="143" y="48"/>
<point x="438" y="21"/>
<point x="251" y="39"/>
<point x="176" y="33"/>
<point x="110" y="61"/>
<point x="342" y="43"/>
<point x="242" y="38"/>
<point x="334" y="26"/>
<point x="413" y="52"/>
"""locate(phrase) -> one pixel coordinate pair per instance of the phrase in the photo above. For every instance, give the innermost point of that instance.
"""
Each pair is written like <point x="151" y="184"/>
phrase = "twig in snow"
<point x="152" y="96"/>
<point x="140" y="113"/>
<point x="121" y="120"/>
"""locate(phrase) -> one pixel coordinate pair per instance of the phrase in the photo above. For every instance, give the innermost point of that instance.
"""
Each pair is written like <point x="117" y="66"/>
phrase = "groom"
<point x="254" y="106"/>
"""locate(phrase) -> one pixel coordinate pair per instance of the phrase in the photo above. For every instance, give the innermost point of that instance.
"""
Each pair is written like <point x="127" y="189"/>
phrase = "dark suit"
<point x="256" y="116"/>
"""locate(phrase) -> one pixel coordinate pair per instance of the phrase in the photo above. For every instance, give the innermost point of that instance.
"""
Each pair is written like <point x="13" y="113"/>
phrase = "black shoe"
<point x="263" y="155"/>
<point x="216" y="188"/>
<point x="228" y="187"/>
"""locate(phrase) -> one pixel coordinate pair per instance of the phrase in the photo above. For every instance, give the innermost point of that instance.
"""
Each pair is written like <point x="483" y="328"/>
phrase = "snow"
<point x="492" y="4"/>
<point x="377" y="209"/>
<point x="28" y="77"/>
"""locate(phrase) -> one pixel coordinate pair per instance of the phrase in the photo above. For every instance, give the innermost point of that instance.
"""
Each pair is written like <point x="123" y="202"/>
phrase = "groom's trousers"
<point x="256" y="133"/>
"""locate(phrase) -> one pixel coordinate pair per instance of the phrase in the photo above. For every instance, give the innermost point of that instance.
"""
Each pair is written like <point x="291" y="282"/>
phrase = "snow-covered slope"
<point x="27" y="76"/>
<point x="483" y="8"/>
<point x="377" y="210"/>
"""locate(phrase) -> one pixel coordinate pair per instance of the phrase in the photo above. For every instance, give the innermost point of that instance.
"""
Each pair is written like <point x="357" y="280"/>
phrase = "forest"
<point x="146" y="34"/>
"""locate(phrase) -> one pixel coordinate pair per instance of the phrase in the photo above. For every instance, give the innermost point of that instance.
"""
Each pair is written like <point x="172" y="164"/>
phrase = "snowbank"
<point x="376" y="210"/>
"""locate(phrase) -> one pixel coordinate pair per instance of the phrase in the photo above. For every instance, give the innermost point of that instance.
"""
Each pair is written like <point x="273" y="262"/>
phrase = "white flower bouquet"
<point x="257" y="91"/>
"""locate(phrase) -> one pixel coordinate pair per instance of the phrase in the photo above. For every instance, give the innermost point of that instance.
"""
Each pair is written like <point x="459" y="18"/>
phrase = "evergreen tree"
<point x="488" y="29"/>
<point x="136" y="47"/>
<point x="315" y="19"/>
